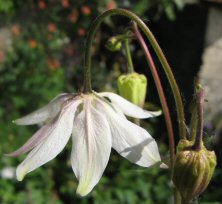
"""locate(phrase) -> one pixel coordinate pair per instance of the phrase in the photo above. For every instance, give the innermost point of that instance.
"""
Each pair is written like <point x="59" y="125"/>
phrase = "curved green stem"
<point x="94" y="27"/>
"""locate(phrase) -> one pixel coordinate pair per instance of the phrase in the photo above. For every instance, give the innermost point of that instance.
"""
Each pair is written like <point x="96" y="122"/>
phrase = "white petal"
<point x="91" y="147"/>
<point x="129" y="140"/>
<point x="53" y="144"/>
<point x="35" y="140"/>
<point x="46" y="112"/>
<point x="129" y="108"/>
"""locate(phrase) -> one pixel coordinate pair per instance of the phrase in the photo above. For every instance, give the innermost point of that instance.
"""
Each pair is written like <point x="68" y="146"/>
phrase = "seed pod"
<point x="113" y="44"/>
<point x="133" y="87"/>
<point x="193" y="170"/>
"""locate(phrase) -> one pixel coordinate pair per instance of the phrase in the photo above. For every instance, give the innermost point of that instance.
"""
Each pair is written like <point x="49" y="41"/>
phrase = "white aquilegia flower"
<point x="96" y="122"/>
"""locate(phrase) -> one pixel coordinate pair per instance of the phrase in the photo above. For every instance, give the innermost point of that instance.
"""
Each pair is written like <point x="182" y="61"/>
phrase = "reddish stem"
<point x="160" y="92"/>
<point x="200" y="103"/>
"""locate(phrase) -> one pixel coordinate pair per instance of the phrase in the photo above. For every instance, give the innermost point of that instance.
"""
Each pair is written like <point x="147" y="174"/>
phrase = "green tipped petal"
<point x="91" y="147"/>
<point x="20" y="174"/>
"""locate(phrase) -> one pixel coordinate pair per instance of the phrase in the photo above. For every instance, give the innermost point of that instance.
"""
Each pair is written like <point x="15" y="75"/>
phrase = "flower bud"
<point x="133" y="87"/>
<point x="193" y="170"/>
<point x="113" y="44"/>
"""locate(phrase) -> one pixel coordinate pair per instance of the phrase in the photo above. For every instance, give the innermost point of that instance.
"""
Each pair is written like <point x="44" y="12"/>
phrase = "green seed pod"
<point x="193" y="170"/>
<point x="113" y="44"/>
<point x="133" y="87"/>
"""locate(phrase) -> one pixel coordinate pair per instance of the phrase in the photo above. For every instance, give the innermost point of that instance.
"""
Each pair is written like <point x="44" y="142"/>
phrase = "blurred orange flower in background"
<point x="65" y="3"/>
<point x="81" y="32"/>
<point x="111" y="5"/>
<point x="51" y="27"/>
<point x="73" y="16"/>
<point x="53" y="63"/>
<point x="86" y="10"/>
<point x="42" y="4"/>
<point x="16" y="30"/>
<point x="32" y="43"/>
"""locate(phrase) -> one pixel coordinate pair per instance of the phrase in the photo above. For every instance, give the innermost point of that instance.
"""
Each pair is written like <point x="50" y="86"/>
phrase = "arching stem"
<point x="160" y="92"/>
<point x="87" y="66"/>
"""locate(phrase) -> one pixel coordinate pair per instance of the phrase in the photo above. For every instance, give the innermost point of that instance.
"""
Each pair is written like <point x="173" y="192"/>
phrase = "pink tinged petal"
<point x="91" y="147"/>
<point x="129" y="108"/>
<point x="47" y="112"/>
<point x="129" y="140"/>
<point x="35" y="140"/>
<point x="53" y="144"/>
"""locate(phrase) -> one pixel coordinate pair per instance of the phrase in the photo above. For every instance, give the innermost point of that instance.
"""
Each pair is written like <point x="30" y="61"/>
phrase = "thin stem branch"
<point x="160" y="92"/>
<point x="87" y="66"/>
<point x="128" y="55"/>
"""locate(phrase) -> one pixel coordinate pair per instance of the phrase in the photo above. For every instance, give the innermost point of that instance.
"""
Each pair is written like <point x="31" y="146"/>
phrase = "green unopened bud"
<point x="193" y="170"/>
<point x="133" y="88"/>
<point x="113" y="44"/>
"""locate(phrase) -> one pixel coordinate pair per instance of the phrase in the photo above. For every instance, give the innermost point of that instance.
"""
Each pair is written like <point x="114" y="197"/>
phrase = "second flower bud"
<point x="133" y="87"/>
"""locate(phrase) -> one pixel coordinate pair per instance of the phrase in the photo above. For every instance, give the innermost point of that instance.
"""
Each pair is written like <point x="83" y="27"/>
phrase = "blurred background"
<point x="41" y="55"/>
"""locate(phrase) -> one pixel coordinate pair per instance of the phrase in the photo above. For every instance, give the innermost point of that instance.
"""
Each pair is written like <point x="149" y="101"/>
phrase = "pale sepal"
<point x="34" y="141"/>
<point x="91" y="147"/>
<point x="53" y="144"/>
<point x="45" y="113"/>
<point x="129" y="108"/>
<point x="129" y="140"/>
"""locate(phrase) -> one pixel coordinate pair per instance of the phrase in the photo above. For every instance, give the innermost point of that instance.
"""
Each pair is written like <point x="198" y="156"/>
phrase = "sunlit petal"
<point x="129" y="108"/>
<point x="53" y="144"/>
<point x="129" y="140"/>
<point x="91" y="147"/>
<point x="46" y="112"/>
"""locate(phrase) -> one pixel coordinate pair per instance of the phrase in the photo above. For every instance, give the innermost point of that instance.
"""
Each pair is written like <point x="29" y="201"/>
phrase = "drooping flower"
<point x="97" y="123"/>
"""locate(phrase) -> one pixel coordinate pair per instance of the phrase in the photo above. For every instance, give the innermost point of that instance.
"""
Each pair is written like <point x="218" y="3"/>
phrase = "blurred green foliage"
<point x="44" y="58"/>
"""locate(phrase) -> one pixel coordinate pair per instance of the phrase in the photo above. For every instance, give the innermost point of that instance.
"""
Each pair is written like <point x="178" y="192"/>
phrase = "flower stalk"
<point x="200" y="103"/>
<point x="160" y="92"/>
<point x="87" y="64"/>
<point x="194" y="123"/>
<point x="130" y="66"/>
